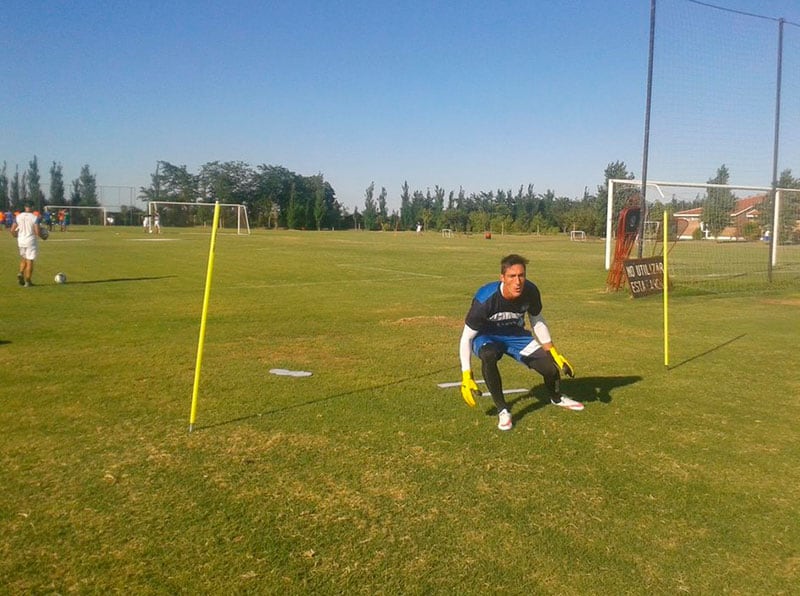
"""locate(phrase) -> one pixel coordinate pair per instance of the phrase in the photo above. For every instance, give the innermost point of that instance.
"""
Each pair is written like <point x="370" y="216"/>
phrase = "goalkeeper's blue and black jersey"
<point x="491" y="314"/>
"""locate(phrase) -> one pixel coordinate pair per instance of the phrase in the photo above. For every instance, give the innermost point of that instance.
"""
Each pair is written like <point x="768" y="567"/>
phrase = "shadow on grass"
<point x="324" y="399"/>
<point x="584" y="389"/>
<point x="4" y="342"/>
<point x="116" y="279"/>
<point x="707" y="352"/>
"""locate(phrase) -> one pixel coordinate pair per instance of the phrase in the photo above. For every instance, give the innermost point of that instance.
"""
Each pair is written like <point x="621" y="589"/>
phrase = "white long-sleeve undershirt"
<point x="465" y="347"/>
<point x="540" y="329"/>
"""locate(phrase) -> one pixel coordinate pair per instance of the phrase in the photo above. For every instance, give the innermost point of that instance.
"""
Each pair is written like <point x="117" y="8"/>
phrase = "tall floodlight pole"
<point x="646" y="145"/>
<point x="773" y="240"/>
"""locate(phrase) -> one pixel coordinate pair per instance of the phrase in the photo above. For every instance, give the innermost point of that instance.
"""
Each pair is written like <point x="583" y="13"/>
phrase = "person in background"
<point x="26" y="230"/>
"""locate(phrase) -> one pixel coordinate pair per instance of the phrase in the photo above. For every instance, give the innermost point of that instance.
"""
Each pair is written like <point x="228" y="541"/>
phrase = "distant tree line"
<point x="276" y="197"/>
<point x="18" y="188"/>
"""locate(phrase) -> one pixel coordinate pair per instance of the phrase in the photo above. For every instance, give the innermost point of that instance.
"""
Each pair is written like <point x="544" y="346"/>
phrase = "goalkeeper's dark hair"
<point x="511" y="260"/>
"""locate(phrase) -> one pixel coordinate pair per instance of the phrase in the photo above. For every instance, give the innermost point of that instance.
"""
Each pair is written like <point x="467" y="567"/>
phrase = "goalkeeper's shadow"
<point x="584" y="389"/>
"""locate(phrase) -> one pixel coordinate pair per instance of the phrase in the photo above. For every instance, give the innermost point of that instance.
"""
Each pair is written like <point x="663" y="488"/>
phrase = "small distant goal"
<point x="447" y="233"/>
<point x="577" y="236"/>
<point x="187" y="214"/>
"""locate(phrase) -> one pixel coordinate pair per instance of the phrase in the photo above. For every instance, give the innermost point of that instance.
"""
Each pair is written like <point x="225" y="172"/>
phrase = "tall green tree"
<point x="719" y="203"/>
<point x="273" y="187"/>
<point x="75" y="192"/>
<point x="382" y="213"/>
<point x="16" y="191"/>
<point x="34" y="184"/>
<point x="87" y="184"/>
<point x="437" y="207"/>
<point x="616" y="170"/>
<point x="175" y="183"/>
<point x="406" y="212"/>
<point x="370" y="208"/>
<point x="57" y="196"/>
<point x="320" y="207"/>
<point x="151" y="193"/>
<point x="293" y="209"/>
<point x="227" y="182"/>
<point x="4" y="184"/>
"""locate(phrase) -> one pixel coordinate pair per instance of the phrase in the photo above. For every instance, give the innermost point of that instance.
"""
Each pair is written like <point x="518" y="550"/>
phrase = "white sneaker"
<point x="568" y="403"/>
<point x="504" y="420"/>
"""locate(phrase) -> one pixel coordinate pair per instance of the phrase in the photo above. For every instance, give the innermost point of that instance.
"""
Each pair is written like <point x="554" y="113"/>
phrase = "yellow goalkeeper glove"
<point x="562" y="363"/>
<point x="469" y="390"/>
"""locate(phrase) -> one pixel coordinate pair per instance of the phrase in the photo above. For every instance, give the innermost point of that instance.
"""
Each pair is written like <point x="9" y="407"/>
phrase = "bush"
<point x="751" y="231"/>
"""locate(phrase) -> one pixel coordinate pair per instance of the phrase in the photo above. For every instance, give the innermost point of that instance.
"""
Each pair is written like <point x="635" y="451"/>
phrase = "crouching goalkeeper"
<point x="495" y="325"/>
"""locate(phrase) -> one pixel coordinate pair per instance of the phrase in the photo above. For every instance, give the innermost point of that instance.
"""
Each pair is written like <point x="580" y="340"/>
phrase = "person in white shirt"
<point x="26" y="230"/>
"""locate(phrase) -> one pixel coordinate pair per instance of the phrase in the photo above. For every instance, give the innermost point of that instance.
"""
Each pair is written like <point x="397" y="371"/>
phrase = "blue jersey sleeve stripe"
<point x="485" y="292"/>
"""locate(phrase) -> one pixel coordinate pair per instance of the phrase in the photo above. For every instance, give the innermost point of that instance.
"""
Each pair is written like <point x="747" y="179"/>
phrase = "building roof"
<point x="741" y="207"/>
<point x="696" y="212"/>
<point x="748" y="204"/>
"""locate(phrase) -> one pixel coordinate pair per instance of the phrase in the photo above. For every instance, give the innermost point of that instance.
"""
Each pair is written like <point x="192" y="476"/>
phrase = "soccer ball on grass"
<point x="60" y="278"/>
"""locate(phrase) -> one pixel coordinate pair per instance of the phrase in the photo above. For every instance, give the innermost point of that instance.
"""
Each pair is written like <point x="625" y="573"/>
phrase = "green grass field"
<point x="366" y="478"/>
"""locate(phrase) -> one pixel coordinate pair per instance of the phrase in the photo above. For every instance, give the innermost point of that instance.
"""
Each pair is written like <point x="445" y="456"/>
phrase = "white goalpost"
<point x="183" y="214"/>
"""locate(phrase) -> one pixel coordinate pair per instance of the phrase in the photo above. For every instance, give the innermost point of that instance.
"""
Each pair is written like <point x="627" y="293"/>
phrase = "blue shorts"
<point x="516" y="346"/>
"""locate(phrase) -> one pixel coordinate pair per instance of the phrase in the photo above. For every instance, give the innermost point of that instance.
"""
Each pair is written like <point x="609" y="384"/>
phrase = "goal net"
<point x="232" y="216"/>
<point x="720" y="236"/>
<point x="722" y="114"/>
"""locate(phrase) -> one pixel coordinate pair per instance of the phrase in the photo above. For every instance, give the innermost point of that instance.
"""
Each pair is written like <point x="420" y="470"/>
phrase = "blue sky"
<point x="482" y="95"/>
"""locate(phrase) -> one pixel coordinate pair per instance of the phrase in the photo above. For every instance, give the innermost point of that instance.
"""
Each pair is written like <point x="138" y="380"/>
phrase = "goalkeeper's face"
<point x="513" y="280"/>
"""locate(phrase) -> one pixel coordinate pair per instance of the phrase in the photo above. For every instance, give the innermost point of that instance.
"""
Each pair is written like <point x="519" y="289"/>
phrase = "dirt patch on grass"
<point x="783" y="301"/>
<point x="426" y="321"/>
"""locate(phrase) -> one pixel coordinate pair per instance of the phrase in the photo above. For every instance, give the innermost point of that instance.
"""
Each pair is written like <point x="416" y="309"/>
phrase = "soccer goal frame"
<point x="103" y="211"/>
<point x="657" y="185"/>
<point x="242" y="220"/>
<point x="577" y="235"/>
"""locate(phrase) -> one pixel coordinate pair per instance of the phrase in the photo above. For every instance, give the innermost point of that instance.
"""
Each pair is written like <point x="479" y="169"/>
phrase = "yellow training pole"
<point x="204" y="316"/>
<point x="665" y="282"/>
